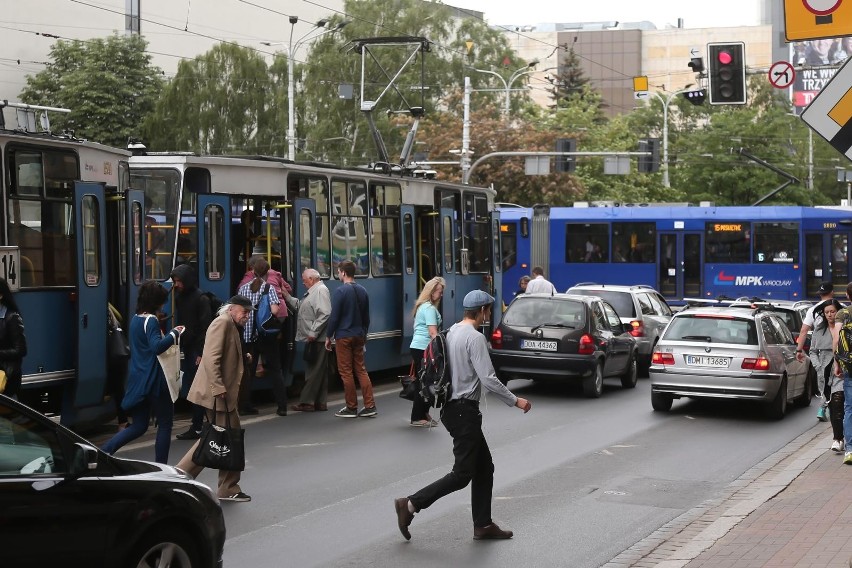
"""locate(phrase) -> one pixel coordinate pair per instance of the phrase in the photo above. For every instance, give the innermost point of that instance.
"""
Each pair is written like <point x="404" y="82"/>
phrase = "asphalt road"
<point x="578" y="480"/>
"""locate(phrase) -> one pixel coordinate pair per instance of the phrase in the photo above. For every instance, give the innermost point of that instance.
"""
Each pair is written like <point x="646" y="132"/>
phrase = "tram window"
<point x="634" y="242"/>
<point x="48" y="173"/>
<point x="509" y="245"/>
<point x="349" y="225"/>
<point x="727" y="242"/>
<point x="316" y="188"/>
<point x="477" y="233"/>
<point x="214" y="242"/>
<point x="305" y="241"/>
<point x="408" y="232"/>
<point x="44" y="232"/>
<point x="448" y="245"/>
<point x="776" y="243"/>
<point x="495" y="234"/>
<point x="91" y="243"/>
<point x="384" y="229"/>
<point x="161" y="188"/>
<point x="586" y="242"/>
<point x="138" y="239"/>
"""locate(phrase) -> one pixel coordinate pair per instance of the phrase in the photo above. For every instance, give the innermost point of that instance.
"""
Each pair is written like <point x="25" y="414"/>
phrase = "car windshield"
<point x="621" y="301"/>
<point x="530" y="312"/>
<point x="712" y="330"/>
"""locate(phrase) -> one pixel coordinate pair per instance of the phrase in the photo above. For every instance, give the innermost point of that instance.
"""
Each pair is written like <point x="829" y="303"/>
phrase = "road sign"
<point x="10" y="262"/>
<point x="830" y="112"/>
<point x="640" y="83"/>
<point x="640" y="95"/>
<point x="814" y="19"/>
<point x="782" y="74"/>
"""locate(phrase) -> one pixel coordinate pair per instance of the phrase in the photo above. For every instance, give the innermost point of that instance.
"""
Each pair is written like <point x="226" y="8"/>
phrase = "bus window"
<point x="509" y="245"/>
<point x="477" y="233"/>
<point x="384" y="229"/>
<point x="776" y="243"/>
<point x="214" y="242"/>
<point x="349" y="225"/>
<point x="586" y="242"/>
<point x="727" y="242"/>
<point x="634" y="242"/>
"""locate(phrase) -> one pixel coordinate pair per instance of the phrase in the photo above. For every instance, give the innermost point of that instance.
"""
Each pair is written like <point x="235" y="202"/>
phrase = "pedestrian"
<point x="147" y="390"/>
<point x="260" y="344"/>
<point x="192" y="311"/>
<point x="820" y="352"/>
<point x="314" y="310"/>
<point x="843" y="317"/>
<point x="539" y="284"/>
<point x="348" y="326"/>
<point x="217" y="385"/>
<point x="831" y="373"/>
<point x="471" y="369"/>
<point x="522" y="285"/>
<point x="427" y="324"/>
<point x="13" y="341"/>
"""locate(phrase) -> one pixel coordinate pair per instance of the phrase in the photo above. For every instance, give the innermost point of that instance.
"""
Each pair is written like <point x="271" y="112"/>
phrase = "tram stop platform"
<point x="793" y="509"/>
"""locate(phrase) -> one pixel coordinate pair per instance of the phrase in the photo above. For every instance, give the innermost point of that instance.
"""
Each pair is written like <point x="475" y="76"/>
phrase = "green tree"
<point x="108" y="84"/>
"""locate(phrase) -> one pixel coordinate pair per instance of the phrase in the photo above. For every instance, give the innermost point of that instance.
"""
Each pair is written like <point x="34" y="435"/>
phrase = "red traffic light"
<point x="725" y="58"/>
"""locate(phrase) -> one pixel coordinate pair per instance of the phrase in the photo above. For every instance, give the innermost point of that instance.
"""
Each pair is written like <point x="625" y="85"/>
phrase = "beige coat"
<point x="221" y="368"/>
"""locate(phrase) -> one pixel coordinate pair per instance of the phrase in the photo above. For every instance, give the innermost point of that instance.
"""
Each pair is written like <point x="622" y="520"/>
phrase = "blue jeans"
<point x="847" y="411"/>
<point x="163" y="410"/>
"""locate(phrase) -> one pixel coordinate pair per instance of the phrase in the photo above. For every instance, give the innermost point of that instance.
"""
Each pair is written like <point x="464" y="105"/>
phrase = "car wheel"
<point x="778" y="407"/>
<point x="808" y="392"/>
<point x="161" y="547"/>
<point x="593" y="386"/>
<point x="629" y="378"/>
<point x="661" y="402"/>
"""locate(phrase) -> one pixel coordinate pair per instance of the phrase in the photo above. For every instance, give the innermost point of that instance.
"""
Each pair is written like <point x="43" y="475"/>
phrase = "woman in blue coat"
<point x="147" y="391"/>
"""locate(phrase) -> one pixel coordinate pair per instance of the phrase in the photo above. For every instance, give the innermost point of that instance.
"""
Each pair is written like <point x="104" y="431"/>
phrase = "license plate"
<point x="703" y="361"/>
<point x="538" y="345"/>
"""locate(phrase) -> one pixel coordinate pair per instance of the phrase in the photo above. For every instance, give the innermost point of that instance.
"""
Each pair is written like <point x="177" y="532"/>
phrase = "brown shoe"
<point x="490" y="532"/>
<point x="302" y="407"/>
<point x="403" y="516"/>
<point x="321" y="407"/>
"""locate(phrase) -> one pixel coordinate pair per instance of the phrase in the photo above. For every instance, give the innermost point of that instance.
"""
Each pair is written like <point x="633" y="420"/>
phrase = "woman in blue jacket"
<point x="147" y="391"/>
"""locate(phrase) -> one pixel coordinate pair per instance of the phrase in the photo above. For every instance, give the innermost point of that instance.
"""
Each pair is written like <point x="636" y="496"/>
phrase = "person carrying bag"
<point x="221" y="447"/>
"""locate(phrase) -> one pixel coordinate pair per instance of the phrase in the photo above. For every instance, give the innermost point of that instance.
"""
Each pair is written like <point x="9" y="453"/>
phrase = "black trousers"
<point x="473" y="463"/>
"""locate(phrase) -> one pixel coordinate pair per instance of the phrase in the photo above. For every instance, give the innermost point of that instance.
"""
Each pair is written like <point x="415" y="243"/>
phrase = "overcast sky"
<point x="705" y="14"/>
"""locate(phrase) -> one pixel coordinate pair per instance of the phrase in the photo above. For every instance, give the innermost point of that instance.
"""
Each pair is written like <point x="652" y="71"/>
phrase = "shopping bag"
<point x="221" y="447"/>
<point x="170" y="363"/>
<point x="2" y="380"/>
<point x="410" y="385"/>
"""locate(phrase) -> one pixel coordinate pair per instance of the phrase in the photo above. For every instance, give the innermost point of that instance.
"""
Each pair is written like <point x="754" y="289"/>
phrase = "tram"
<point x="706" y="251"/>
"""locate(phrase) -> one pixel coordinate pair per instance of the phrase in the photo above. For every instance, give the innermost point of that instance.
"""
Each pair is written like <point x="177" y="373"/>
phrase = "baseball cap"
<point x="477" y="299"/>
<point x="826" y="288"/>
<point x="241" y="301"/>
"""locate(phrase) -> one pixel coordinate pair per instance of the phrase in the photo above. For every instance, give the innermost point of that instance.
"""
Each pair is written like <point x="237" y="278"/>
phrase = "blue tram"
<point x="681" y="250"/>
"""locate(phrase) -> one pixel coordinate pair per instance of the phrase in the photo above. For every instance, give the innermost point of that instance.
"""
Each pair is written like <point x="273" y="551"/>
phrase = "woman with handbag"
<point x="147" y="390"/>
<point x="427" y="324"/>
<point x="13" y="342"/>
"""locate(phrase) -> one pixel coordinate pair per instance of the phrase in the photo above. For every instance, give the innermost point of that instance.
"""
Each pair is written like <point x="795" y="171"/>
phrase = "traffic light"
<point x="727" y="73"/>
<point x="695" y="97"/>
<point x="696" y="64"/>
<point x="566" y="163"/>
<point x="649" y="164"/>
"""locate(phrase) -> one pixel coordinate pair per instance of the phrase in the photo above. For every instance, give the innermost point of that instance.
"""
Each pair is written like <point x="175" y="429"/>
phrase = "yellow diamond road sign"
<point x="814" y="19"/>
<point x="640" y="83"/>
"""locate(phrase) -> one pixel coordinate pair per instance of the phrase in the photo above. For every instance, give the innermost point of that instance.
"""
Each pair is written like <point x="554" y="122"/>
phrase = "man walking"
<point x="821" y="350"/>
<point x="539" y="284"/>
<point x="348" y="325"/>
<point x="314" y="310"/>
<point x="471" y="369"/>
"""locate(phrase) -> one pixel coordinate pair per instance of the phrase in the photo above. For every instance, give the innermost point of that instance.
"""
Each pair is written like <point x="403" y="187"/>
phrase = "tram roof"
<point x="651" y="213"/>
<point x="55" y="140"/>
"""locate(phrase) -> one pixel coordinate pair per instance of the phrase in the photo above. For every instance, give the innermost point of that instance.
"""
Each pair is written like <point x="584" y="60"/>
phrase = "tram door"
<point x="133" y="253"/>
<point x="826" y="259"/>
<point x="213" y="259"/>
<point x="92" y="293"/>
<point x="409" y="273"/>
<point x="679" y="265"/>
<point x="447" y="254"/>
<point x="304" y="246"/>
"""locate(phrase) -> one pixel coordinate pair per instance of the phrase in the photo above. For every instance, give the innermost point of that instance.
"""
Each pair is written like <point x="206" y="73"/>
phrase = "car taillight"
<point x="638" y="330"/>
<point x="587" y="345"/>
<point x="497" y="339"/>
<point x="759" y="364"/>
<point x="660" y="358"/>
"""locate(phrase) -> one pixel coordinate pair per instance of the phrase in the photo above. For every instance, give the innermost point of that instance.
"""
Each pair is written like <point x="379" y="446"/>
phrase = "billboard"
<point x="816" y="61"/>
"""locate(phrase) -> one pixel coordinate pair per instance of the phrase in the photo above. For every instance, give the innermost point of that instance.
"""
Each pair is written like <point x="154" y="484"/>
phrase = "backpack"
<point x="214" y="301"/>
<point x="265" y="323"/>
<point x="436" y="385"/>
<point x="844" y="340"/>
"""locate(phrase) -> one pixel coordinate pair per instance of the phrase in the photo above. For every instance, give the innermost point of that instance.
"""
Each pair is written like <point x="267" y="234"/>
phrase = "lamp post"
<point x="292" y="47"/>
<point x="507" y="85"/>
<point x="665" y="102"/>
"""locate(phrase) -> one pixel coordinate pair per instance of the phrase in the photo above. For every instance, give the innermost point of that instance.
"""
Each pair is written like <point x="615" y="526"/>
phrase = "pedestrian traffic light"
<point x="649" y="164"/>
<point x="695" y="97"/>
<point x="566" y="163"/>
<point x="727" y="73"/>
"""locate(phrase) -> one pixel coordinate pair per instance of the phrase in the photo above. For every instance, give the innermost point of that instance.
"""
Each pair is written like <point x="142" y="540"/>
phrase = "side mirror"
<point x="85" y="459"/>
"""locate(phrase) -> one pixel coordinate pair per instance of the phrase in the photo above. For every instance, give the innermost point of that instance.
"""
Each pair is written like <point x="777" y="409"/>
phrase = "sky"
<point x="708" y="14"/>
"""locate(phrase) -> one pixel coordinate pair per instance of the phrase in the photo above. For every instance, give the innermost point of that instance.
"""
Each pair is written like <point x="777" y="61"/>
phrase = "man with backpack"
<point x="820" y="353"/>
<point x="471" y="369"/>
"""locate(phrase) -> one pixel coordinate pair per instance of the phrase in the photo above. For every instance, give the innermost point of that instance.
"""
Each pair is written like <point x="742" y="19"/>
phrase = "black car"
<point x="65" y="503"/>
<point x="564" y="337"/>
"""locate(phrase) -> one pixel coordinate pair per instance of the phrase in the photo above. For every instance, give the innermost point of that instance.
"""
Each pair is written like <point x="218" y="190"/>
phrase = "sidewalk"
<point x="793" y="509"/>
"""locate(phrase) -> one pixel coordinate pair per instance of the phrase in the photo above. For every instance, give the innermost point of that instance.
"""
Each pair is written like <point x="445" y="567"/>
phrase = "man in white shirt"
<point x="539" y="284"/>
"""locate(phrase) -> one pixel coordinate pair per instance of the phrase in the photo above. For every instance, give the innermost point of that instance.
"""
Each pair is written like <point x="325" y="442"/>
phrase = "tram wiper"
<point x="552" y="324"/>
<point x="706" y="338"/>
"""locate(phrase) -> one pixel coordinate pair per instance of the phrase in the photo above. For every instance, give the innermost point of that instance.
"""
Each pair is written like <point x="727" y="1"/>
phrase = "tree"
<point x="108" y="84"/>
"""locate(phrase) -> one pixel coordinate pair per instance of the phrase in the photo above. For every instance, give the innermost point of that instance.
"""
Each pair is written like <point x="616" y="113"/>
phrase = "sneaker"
<point x="821" y="414"/>
<point x="424" y="423"/>
<point x="837" y="446"/>
<point x="847" y="459"/>
<point x="368" y="412"/>
<point x="237" y="497"/>
<point x="189" y="435"/>
<point x="347" y="412"/>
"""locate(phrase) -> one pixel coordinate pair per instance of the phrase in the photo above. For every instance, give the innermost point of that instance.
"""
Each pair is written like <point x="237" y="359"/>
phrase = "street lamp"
<point x="665" y="102"/>
<point x="507" y="85"/>
<point x="291" y="52"/>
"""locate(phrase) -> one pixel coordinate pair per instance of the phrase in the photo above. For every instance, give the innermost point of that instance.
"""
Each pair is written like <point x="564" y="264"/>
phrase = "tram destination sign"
<point x="10" y="263"/>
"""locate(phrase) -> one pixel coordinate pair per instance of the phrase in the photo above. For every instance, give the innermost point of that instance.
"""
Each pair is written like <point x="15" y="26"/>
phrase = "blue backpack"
<point x="265" y="322"/>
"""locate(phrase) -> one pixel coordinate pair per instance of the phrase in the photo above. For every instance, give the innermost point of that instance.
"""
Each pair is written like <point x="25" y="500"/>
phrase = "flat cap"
<point x="476" y="299"/>
<point x="241" y="301"/>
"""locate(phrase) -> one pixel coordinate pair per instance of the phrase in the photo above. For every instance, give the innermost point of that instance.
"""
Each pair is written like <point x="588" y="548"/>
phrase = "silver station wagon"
<point x="738" y="353"/>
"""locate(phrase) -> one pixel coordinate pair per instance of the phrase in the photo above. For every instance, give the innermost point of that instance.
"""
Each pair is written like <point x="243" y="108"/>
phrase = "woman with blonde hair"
<point x="427" y="324"/>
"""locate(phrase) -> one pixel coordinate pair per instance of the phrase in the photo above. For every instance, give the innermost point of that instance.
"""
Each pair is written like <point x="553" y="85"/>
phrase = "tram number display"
<point x="10" y="262"/>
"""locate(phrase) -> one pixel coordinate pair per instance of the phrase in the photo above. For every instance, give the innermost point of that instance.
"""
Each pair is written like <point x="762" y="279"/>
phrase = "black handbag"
<point x="311" y="352"/>
<point x="118" y="349"/>
<point x="221" y="447"/>
<point x="410" y="385"/>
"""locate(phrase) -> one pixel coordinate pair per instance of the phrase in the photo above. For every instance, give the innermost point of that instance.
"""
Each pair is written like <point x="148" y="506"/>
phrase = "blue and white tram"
<point x="682" y="251"/>
<point x="399" y="231"/>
